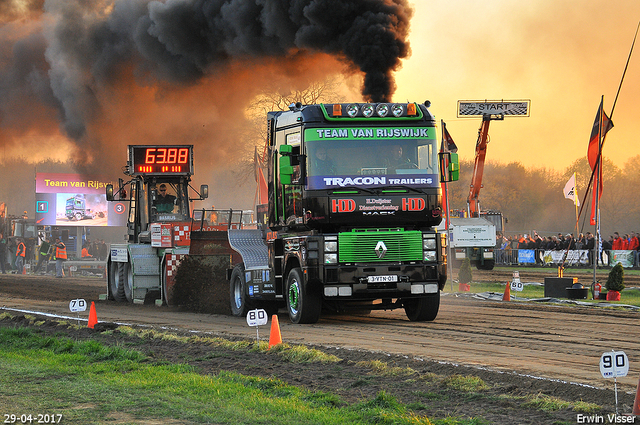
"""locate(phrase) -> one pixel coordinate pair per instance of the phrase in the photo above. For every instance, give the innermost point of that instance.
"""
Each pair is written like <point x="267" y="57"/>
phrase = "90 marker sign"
<point x="614" y="364"/>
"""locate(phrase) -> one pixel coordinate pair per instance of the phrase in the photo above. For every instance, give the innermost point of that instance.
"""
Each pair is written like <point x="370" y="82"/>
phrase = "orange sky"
<point x="561" y="55"/>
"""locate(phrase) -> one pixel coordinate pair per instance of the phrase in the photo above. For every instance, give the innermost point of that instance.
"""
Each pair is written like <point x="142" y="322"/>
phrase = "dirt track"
<point x="542" y="340"/>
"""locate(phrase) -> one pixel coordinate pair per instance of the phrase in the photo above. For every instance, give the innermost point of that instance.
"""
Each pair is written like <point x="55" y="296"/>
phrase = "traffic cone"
<point x="93" y="317"/>
<point x="275" y="338"/>
<point x="24" y="269"/>
<point x="636" y="403"/>
<point x="507" y="293"/>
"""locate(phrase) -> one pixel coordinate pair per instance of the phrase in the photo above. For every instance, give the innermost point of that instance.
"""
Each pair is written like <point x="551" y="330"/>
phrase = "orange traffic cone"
<point x="93" y="317"/>
<point x="275" y="338"/>
<point x="24" y="269"/>
<point x="636" y="403"/>
<point x="507" y="293"/>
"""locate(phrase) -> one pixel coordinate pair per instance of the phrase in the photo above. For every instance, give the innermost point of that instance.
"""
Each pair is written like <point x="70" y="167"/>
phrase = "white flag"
<point x="570" y="190"/>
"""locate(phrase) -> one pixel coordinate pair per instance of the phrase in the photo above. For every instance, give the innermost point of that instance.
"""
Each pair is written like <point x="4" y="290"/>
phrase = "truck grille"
<point x="359" y="246"/>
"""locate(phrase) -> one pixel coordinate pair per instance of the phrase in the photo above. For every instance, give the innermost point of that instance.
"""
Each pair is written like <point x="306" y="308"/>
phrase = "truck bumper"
<point x="381" y="281"/>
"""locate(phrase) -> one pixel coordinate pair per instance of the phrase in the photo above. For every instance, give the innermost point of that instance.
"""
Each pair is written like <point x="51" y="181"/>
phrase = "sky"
<point x="83" y="79"/>
<point x="561" y="55"/>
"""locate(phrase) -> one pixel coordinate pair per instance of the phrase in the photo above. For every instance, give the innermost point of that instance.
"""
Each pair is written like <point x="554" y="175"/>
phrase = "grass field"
<point x="86" y="382"/>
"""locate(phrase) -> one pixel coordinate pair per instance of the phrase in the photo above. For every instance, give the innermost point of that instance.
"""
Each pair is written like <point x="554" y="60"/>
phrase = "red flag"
<point x="601" y="126"/>
<point x="602" y="121"/>
<point x="446" y="137"/>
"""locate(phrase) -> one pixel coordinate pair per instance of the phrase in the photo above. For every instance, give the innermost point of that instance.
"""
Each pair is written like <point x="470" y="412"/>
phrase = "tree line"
<point x="531" y="198"/>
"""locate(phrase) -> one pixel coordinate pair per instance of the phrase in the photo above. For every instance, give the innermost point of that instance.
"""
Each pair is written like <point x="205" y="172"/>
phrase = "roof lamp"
<point x="367" y="110"/>
<point x="397" y="110"/>
<point x="411" y="109"/>
<point x="337" y="110"/>
<point x="382" y="110"/>
<point x="352" y="110"/>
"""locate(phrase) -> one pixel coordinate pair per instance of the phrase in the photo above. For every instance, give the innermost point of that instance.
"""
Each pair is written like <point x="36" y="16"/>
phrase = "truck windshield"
<point x="371" y="162"/>
<point x="169" y="204"/>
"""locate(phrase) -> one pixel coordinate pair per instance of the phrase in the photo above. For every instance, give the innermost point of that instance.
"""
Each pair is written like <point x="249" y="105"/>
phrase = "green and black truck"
<point x="354" y="198"/>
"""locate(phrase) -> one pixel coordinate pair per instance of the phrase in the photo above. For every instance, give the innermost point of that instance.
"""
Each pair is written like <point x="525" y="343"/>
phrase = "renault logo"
<point x="381" y="249"/>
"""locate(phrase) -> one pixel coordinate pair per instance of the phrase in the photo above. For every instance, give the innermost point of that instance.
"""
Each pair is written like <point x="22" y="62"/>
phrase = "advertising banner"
<point x="574" y="256"/>
<point x="626" y="258"/>
<point x="526" y="256"/>
<point x="76" y="200"/>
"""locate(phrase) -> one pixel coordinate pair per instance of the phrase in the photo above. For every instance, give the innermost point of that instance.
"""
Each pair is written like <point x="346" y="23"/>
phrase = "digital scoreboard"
<point x="161" y="160"/>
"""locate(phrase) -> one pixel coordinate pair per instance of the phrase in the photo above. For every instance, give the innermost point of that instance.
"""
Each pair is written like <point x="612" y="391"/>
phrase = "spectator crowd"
<point x="506" y="246"/>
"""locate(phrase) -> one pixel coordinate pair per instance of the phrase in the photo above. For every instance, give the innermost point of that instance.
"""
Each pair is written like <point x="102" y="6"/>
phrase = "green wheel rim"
<point x="294" y="296"/>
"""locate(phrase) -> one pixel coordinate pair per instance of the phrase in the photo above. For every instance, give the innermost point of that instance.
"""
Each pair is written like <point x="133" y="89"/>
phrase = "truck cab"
<point x="353" y="200"/>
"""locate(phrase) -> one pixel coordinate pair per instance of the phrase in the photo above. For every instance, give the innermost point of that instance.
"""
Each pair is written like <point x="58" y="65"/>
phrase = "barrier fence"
<point x="572" y="257"/>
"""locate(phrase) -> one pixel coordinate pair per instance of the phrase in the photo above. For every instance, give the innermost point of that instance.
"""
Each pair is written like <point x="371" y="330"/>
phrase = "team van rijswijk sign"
<point x="76" y="200"/>
<point x="372" y="174"/>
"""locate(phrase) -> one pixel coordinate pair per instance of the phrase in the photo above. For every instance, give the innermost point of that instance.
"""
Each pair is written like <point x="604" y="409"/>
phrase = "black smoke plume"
<point x="59" y="59"/>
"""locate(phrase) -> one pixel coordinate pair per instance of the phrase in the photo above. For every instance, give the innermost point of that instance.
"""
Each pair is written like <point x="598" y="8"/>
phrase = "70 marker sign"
<point x="78" y="305"/>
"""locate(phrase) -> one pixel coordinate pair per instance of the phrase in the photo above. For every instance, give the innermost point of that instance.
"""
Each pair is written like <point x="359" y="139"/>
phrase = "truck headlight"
<point x="430" y="256"/>
<point x="330" y="246"/>
<point x="428" y="244"/>
<point x="331" y="258"/>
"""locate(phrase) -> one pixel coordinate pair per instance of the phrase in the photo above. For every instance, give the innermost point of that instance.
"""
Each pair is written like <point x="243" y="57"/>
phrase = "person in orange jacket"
<point x="85" y="253"/>
<point x="21" y="252"/>
<point x="61" y="255"/>
<point x="617" y="242"/>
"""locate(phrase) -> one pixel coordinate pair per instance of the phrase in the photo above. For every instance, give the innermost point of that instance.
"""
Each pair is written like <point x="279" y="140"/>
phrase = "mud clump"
<point x="201" y="285"/>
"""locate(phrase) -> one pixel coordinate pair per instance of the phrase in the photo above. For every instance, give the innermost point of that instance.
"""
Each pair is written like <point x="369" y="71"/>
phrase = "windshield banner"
<point x="338" y="182"/>
<point x="383" y="133"/>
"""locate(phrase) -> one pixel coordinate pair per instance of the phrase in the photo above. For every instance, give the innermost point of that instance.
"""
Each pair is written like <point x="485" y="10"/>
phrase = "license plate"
<point x="382" y="279"/>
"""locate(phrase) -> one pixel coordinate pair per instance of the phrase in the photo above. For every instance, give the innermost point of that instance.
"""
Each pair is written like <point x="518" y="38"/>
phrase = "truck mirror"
<point x="449" y="166"/>
<point x="121" y="190"/>
<point x="109" y="192"/>
<point x="286" y="170"/>
<point x="454" y="167"/>
<point x="204" y="191"/>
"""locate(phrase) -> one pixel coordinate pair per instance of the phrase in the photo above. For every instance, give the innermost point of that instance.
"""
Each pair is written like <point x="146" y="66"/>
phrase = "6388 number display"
<point x="162" y="160"/>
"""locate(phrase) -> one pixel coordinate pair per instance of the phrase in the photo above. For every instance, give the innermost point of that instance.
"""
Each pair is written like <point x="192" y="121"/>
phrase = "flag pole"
<point x="575" y="200"/>
<point x="446" y="217"/>
<point x="596" y="188"/>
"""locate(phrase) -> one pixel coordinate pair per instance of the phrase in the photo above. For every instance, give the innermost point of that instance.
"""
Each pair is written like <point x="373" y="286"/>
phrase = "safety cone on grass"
<point x="93" y="317"/>
<point x="636" y="403"/>
<point x="275" y="338"/>
<point x="24" y="269"/>
<point x="507" y="293"/>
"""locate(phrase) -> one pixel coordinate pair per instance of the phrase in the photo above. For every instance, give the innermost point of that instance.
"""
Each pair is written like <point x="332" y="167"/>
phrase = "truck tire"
<point x="240" y="303"/>
<point x="488" y="265"/>
<point x="304" y="303"/>
<point x="78" y="216"/>
<point x="423" y="309"/>
<point x="115" y="282"/>
<point x="126" y="279"/>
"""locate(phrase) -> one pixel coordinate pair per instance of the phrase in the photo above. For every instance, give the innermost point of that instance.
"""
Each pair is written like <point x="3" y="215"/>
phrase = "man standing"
<point x="3" y="253"/>
<point x="43" y="253"/>
<point x="61" y="256"/>
<point x="21" y="252"/>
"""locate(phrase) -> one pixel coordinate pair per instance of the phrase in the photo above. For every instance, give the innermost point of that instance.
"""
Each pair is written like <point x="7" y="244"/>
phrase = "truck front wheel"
<point x="115" y="282"/>
<point x="304" y="302"/>
<point x="423" y="309"/>
<point x="240" y="304"/>
<point x="125" y="290"/>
